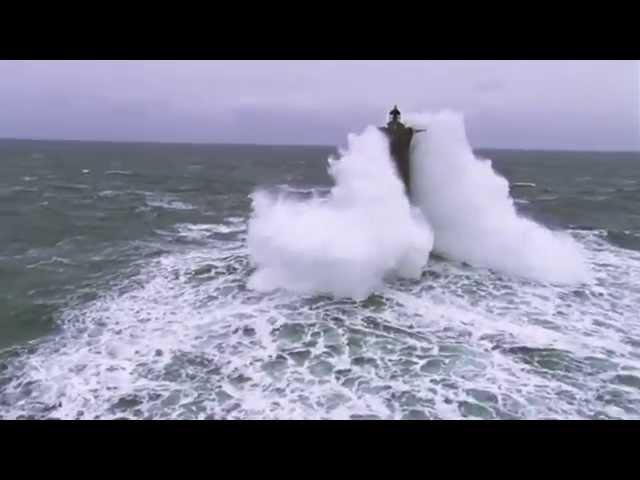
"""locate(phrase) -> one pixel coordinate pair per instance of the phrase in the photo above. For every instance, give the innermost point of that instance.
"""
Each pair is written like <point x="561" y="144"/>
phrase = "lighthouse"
<point x="400" y="137"/>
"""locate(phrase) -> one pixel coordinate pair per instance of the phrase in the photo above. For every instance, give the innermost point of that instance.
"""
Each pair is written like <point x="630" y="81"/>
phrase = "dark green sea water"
<point x="123" y="293"/>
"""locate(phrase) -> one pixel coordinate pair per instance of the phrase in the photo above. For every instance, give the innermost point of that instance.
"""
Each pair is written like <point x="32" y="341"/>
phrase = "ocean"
<point x="125" y="293"/>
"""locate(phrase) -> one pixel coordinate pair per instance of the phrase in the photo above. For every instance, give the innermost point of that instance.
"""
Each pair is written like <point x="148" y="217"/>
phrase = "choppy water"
<point x="124" y="268"/>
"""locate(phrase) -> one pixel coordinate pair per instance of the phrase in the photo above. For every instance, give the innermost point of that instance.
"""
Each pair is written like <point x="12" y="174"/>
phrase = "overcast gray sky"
<point x="519" y="104"/>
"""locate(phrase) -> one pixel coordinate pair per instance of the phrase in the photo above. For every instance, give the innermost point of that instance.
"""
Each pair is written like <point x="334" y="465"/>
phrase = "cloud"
<point x="489" y="86"/>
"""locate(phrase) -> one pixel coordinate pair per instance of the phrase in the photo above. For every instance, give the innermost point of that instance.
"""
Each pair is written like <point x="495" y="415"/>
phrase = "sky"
<point x="583" y="105"/>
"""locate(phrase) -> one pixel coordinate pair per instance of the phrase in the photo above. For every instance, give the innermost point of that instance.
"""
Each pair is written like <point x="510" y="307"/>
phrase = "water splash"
<point x="347" y="243"/>
<point x="472" y="214"/>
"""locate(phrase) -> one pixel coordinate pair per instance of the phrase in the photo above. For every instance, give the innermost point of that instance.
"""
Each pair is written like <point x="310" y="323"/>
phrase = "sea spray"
<point x="472" y="214"/>
<point x="347" y="243"/>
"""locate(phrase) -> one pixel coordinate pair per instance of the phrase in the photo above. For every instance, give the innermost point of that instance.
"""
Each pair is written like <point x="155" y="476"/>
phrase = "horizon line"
<point x="299" y="145"/>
